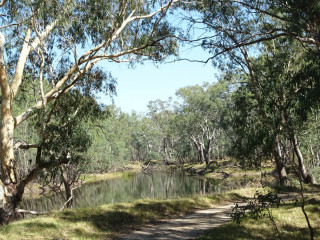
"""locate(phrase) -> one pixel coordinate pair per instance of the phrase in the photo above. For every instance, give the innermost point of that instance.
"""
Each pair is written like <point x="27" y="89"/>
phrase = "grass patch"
<point x="107" y="220"/>
<point x="133" y="168"/>
<point x="288" y="217"/>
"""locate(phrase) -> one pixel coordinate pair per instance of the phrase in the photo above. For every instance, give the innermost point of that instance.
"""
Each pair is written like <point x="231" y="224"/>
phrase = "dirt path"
<point x="186" y="227"/>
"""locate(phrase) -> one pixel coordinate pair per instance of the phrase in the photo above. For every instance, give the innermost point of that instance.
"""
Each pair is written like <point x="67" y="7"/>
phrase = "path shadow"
<point x="112" y="220"/>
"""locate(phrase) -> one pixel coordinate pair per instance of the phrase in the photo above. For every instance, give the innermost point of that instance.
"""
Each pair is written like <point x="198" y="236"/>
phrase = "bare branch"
<point x="31" y="212"/>
<point x="41" y="76"/>
<point x="309" y="40"/>
<point x="25" y="53"/>
<point x="65" y="204"/>
<point x="155" y="12"/>
<point x="55" y="93"/>
<point x="20" y="145"/>
<point x="15" y="24"/>
<point x="3" y="2"/>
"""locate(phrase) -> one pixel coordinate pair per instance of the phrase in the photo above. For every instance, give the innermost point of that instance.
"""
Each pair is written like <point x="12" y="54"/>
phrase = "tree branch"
<point x="3" y="2"/>
<point x="65" y="204"/>
<point x="27" y="47"/>
<point x="30" y="212"/>
<point x="20" y="145"/>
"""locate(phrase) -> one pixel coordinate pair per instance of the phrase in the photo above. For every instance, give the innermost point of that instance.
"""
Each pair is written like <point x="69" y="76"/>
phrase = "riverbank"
<point x="113" y="220"/>
<point x="118" y="173"/>
<point x="231" y="173"/>
<point x="35" y="190"/>
<point x="110" y="220"/>
<point x="288" y="218"/>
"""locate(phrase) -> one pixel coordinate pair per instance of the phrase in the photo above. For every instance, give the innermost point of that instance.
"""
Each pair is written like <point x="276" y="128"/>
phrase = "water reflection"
<point x="131" y="187"/>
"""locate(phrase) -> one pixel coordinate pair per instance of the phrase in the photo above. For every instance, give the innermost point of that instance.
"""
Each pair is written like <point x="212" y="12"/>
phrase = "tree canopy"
<point x="53" y="47"/>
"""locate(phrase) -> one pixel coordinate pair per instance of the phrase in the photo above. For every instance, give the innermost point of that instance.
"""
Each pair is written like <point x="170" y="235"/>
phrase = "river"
<point x="132" y="186"/>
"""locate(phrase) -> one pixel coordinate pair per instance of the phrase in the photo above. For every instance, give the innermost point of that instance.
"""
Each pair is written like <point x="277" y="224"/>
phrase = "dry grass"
<point x="107" y="220"/>
<point x="288" y="218"/>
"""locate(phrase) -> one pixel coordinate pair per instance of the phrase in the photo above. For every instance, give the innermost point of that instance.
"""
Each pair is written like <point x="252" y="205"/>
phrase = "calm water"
<point x="129" y="188"/>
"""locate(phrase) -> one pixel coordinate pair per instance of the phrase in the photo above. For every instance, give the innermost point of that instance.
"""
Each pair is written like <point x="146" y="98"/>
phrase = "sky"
<point x="147" y="82"/>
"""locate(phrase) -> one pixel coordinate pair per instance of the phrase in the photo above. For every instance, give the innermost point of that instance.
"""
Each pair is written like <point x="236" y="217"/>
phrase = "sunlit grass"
<point x="288" y="218"/>
<point x="89" y="178"/>
<point x="107" y="220"/>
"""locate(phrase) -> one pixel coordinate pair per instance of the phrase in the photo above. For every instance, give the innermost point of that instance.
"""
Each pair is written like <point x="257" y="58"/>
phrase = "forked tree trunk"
<point x="281" y="168"/>
<point x="280" y="163"/>
<point x="200" y="149"/>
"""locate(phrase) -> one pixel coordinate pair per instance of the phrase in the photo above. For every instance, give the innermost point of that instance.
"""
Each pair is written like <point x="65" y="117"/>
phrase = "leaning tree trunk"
<point x="307" y="177"/>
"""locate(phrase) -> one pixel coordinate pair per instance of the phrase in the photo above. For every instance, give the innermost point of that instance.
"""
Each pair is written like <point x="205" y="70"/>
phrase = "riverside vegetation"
<point x="261" y="109"/>
<point x="108" y="221"/>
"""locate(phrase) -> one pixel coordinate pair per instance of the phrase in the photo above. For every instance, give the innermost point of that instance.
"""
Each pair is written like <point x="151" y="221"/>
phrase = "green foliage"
<point x="65" y="130"/>
<point x="52" y="49"/>
<point x="236" y="25"/>
<point x="256" y="208"/>
<point x="200" y="118"/>
<point x="270" y="106"/>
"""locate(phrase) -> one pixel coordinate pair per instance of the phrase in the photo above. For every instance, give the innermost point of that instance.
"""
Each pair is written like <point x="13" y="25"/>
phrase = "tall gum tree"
<point x="236" y="29"/>
<point x="200" y="117"/>
<point x="52" y="46"/>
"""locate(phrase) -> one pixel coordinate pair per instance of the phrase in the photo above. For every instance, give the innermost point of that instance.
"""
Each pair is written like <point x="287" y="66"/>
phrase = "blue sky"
<point x="136" y="87"/>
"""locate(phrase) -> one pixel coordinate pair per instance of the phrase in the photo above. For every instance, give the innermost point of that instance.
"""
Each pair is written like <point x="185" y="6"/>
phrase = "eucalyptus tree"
<point x="231" y="24"/>
<point x="200" y="116"/>
<point x="111" y="140"/>
<point x="139" y="145"/>
<point x="161" y="114"/>
<point x="146" y="141"/>
<point x="309" y="139"/>
<point x="238" y="31"/>
<point x="64" y="138"/>
<point x="287" y="83"/>
<point x="59" y="44"/>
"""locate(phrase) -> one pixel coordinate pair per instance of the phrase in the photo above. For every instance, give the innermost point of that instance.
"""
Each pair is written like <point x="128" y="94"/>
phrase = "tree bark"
<point x="201" y="153"/>
<point x="281" y="164"/>
<point x="199" y="148"/>
<point x="67" y="186"/>
<point x="307" y="177"/>
<point x="208" y="152"/>
<point x="8" y="189"/>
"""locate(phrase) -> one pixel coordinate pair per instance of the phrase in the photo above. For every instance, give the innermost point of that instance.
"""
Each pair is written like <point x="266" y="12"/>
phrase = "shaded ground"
<point x="186" y="227"/>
